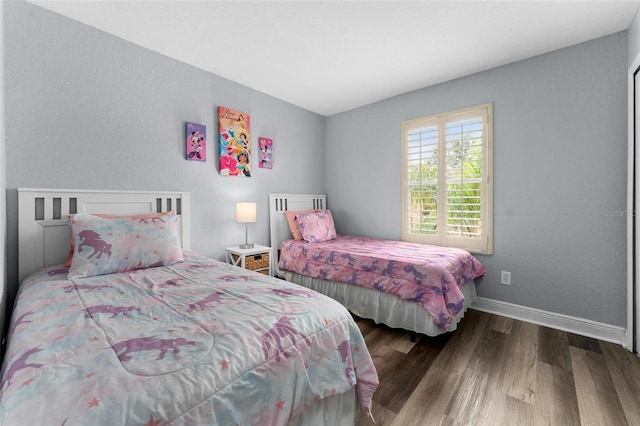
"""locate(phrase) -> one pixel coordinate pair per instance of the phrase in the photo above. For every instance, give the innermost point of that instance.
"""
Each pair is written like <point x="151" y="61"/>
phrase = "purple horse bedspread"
<point x="198" y="342"/>
<point x="428" y="275"/>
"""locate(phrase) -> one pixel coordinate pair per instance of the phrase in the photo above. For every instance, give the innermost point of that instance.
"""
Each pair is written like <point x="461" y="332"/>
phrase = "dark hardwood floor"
<point x="499" y="371"/>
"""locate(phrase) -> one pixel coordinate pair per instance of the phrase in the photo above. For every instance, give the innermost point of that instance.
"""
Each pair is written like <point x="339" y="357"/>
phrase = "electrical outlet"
<point x="505" y="278"/>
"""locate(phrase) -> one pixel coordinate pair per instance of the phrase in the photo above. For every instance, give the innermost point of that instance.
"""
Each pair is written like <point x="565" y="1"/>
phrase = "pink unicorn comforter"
<point x="194" y="343"/>
<point x="428" y="275"/>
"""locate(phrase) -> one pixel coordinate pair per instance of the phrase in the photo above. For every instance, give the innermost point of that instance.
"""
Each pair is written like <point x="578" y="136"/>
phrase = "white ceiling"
<point x="332" y="56"/>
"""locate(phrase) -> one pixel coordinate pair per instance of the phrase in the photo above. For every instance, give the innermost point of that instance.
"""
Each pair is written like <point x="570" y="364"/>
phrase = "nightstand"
<point x="256" y="259"/>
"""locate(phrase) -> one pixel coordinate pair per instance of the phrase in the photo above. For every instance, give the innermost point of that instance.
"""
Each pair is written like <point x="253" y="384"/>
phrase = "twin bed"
<point x="419" y="288"/>
<point x="139" y="330"/>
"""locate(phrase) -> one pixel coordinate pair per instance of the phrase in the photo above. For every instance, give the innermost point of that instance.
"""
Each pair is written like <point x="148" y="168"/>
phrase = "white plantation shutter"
<point x="422" y="157"/>
<point x="447" y="189"/>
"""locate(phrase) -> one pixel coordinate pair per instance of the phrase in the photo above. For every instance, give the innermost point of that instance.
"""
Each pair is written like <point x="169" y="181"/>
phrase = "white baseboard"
<point x="580" y="326"/>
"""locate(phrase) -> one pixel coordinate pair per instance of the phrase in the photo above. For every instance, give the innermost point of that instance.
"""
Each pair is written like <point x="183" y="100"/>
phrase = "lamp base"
<point x="246" y="246"/>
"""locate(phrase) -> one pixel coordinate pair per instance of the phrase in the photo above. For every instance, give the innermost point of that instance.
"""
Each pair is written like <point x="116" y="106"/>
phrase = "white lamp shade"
<point x="245" y="212"/>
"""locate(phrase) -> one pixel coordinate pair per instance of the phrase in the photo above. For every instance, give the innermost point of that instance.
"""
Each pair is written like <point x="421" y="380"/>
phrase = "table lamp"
<point x="246" y="213"/>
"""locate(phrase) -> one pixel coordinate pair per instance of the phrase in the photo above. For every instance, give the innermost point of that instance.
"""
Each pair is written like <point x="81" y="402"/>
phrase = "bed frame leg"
<point x="412" y="335"/>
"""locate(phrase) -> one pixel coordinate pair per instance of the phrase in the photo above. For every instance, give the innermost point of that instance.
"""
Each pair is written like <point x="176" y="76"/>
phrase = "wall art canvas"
<point x="196" y="142"/>
<point x="235" y="142"/>
<point x="265" y="160"/>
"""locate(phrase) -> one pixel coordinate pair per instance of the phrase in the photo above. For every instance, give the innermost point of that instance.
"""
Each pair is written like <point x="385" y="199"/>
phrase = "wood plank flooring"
<point x="499" y="371"/>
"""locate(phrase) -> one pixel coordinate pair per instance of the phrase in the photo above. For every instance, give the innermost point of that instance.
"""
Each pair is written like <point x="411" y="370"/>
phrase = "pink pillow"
<point x="142" y="217"/>
<point x="293" y="225"/>
<point x="316" y="227"/>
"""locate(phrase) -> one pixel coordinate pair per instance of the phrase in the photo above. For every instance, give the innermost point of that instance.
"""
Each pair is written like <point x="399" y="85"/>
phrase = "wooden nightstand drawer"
<point x="257" y="261"/>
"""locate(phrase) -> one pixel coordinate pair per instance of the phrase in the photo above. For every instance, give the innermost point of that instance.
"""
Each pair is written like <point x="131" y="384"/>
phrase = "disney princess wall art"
<point x="196" y="142"/>
<point x="235" y="142"/>
<point x="265" y="160"/>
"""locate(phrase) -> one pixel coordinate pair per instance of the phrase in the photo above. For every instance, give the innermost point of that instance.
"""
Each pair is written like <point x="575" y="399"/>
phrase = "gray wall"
<point x="85" y="109"/>
<point x="560" y="146"/>
<point x="634" y="38"/>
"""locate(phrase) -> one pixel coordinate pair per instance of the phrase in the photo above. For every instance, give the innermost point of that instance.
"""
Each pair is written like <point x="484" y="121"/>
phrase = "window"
<point x="446" y="179"/>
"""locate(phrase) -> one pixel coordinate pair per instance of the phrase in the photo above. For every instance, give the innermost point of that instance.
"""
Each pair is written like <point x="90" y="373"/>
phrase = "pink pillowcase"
<point x="317" y="227"/>
<point x="293" y="225"/>
<point x="142" y="217"/>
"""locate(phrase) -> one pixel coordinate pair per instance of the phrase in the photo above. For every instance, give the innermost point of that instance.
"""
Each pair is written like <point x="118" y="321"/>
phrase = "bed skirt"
<point x="381" y="307"/>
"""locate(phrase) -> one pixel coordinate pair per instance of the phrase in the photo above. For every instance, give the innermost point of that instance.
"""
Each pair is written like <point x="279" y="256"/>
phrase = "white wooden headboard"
<point x="279" y="227"/>
<point x="43" y="218"/>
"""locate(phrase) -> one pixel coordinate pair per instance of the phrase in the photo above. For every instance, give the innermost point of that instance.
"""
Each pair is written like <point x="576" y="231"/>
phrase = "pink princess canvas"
<point x="235" y="142"/>
<point x="196" y="142"/>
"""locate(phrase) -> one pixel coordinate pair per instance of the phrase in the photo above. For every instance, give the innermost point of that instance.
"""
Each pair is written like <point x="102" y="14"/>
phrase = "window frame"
<point x="484" y="244"/>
